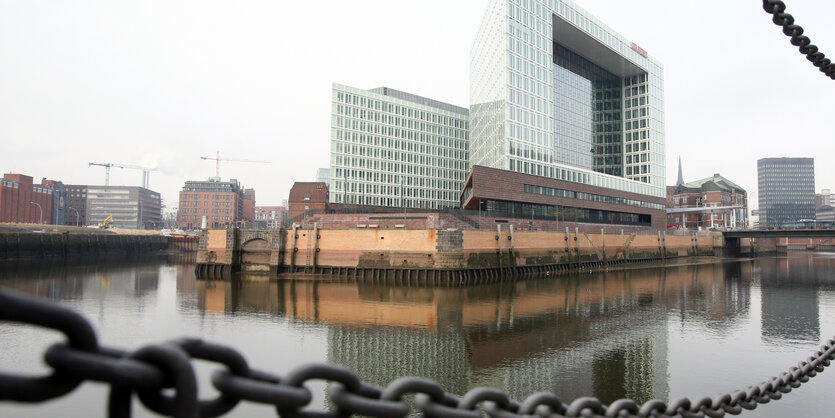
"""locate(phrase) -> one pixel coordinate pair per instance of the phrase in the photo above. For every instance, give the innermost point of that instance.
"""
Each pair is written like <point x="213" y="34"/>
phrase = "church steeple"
<point x="680" y="179"/>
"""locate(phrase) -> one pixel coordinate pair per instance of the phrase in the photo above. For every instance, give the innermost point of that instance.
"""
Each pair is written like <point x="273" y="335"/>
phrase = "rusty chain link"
<point x="804" y="44"/>
<point x="153" y="368"/>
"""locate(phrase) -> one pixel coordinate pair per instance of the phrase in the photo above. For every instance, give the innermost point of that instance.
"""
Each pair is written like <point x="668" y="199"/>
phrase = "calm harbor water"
<point x="690" y="330"/>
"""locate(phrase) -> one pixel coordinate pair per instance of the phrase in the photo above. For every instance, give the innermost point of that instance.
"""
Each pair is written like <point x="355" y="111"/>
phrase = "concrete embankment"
<point x="23" y="245"/>
<point x="433" y="255"/>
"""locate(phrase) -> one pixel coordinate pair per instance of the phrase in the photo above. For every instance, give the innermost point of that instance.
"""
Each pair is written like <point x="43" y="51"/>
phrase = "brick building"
<point x="307" y="198"/>
<point x="220" y="202"/>
<point x="718" y="192"/>
<point x="502" y="193"/>
<point x="24" y="202"/>
<point x="248" y="214"/>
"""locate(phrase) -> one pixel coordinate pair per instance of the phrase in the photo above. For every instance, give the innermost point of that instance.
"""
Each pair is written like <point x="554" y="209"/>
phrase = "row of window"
<point x="445" y="169"/>
<point x="394" y="132"/>
<point x="419" y="123"/>
<point x="197" y="203"/>
<point x="215" y="211"/>
<point x="363" y="138"/>
<point x="408" y="148"/>
<point x="361" y="101"/>
<point x="532" y="211"/>
<point x="549" y="191"/>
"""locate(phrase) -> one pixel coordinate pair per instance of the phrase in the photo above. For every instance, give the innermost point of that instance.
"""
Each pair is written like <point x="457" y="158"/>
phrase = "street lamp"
<point x="76" y="214"/>
<point x="40" y="209"/>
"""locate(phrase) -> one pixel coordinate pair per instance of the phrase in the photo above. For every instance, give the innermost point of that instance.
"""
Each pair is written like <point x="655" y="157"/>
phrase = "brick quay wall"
<point x="350" y="252"/>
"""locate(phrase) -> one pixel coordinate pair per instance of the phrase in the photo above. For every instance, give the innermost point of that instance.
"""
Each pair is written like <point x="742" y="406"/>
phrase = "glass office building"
<point x="396" y="149"/>
<point x="555" y="93"/>
<point x="786" y="189"/>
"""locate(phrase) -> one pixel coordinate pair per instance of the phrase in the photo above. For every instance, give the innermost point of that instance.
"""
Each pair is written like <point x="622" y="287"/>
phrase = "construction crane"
<point x="146" y="176"/>
<point x="106" y="171"/>
<point x="146" y="173"/>
<point x="218" y="160"/>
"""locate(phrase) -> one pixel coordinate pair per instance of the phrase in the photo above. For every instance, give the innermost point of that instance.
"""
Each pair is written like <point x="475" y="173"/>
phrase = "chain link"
<point x="804" y="44"/>
<point x="153" y="368"/>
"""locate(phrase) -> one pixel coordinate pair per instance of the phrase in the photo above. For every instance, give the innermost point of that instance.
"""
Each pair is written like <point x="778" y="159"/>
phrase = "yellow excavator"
<point x="107" y="222"/>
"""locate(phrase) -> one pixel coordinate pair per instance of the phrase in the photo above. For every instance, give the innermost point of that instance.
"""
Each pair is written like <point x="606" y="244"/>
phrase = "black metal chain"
<point x="804" y="44"/>
<point x="152" y="368"/>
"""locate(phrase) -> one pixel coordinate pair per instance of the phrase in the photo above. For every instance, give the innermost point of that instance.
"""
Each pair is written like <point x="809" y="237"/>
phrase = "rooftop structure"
<point x="556" y="93"/>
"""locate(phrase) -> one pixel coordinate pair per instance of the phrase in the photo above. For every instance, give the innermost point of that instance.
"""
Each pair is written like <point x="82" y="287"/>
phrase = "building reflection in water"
<point x="790" y="289"/>
<point x="77" y="279"/>
<point x="604" y="333"/>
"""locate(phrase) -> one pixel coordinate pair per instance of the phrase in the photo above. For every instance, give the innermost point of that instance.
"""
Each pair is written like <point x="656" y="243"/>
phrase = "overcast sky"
<point x="162" y="83"/>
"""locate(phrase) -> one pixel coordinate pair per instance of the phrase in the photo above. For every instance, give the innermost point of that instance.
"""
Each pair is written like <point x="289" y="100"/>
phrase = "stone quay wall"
<point x="327" y="251"/>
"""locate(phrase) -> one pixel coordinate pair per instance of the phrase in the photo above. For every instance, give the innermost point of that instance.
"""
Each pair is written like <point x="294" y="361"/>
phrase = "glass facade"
<point x="556" y="93"/>
<point x="390" y="148"/>
<point x="563" y="213"/>
<point x="587" y="101"/>
<point x="786" y="189"/>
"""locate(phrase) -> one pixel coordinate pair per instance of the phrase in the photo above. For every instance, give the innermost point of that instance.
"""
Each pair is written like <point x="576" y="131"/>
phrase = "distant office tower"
<point x="556" y="93"/>
<point x="221" y="202"/>
<point x="131" y="207"/>
<point x="786" y="191"/>
<point x="323" y="175"/>
<point x="390" y="148"/>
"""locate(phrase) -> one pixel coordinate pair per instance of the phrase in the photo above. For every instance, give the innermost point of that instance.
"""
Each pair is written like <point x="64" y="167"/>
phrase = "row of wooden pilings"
<point x="465" y="277"/>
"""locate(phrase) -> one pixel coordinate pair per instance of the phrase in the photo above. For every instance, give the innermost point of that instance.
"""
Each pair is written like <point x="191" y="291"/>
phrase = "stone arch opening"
<point x="255" y="255"/>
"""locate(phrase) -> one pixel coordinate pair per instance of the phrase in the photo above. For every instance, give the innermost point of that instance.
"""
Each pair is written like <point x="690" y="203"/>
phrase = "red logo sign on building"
<point x="639" y="50"/>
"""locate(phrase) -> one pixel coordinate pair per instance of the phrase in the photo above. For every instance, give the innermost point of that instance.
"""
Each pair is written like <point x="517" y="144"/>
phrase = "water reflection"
<point x="83" y="279"/>
<point x="603" y="334"/>
<point x="597" y="333"/>
<point x="790" y="288"/>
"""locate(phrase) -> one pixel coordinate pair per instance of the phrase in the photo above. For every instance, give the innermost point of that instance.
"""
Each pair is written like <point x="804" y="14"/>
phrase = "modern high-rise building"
<point x="566" y="119"/>
<point x="556" y="93"/>
<point x="391" y="148"/>
<point x="786" y="191"/>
